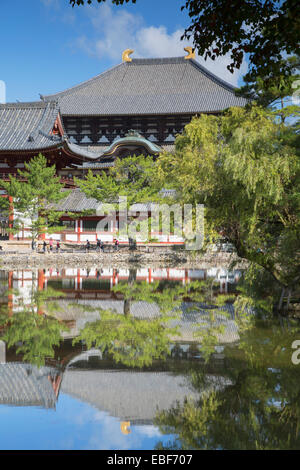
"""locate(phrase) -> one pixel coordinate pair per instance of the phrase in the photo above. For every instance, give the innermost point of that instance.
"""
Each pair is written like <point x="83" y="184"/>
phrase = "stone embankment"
<point x="18" y="259"/>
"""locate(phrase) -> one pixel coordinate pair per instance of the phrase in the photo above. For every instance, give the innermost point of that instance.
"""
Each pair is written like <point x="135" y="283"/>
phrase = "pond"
<point x="140" y="358"/>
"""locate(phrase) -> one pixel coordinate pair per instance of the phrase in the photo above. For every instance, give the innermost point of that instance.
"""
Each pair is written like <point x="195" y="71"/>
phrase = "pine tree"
<point x="36" y="194"/>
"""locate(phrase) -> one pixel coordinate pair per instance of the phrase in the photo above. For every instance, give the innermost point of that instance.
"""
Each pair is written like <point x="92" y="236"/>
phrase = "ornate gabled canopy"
<point x="133" y="142"/>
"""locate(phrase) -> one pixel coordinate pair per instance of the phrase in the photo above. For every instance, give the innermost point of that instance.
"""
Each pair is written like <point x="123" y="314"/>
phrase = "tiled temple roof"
<point x="26" y="385"/>
<point x="77" y="201"/>
<point x="149" y="86"/>
<point x="27" y="126"/>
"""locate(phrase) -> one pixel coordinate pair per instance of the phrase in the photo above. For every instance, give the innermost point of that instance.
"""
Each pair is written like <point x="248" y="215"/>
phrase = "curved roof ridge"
<point x="39" y="127"/>
<point x="82" y="151"/>
<point x="153" y="60"/>
<point x="29" y="104"/>
<point x="132" y="138"/>
<point x="84" y="83"/>
<point x="211" y="75"/>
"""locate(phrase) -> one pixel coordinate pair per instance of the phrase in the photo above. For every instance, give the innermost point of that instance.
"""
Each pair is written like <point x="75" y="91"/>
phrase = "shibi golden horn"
<point x="191" y="53"/>
<point x="124" y="427"/>
<point x="126" y="54"/>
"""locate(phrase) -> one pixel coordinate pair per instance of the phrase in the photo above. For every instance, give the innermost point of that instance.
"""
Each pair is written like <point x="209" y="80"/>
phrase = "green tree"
<point x="266" y="92"/>
<point x="244" y="167"/>
<point x="36" y="193"/>
<point x="133" y="177"/>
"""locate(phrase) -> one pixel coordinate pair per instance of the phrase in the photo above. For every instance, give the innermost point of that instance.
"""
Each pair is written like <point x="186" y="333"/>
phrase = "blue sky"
<point x="73" y="425"/>
<point x="48" y="46"/>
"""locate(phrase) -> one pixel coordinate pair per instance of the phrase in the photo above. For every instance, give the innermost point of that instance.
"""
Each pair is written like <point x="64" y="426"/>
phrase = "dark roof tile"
<point x="27" y="126"/>
<point x="149" y="86"/>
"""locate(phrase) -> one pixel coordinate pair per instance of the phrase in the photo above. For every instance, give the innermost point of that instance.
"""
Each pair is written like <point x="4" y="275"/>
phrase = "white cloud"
<point x="149" y="430"/>
<point x="51" y="3"/>
<point x="114" y="31"/>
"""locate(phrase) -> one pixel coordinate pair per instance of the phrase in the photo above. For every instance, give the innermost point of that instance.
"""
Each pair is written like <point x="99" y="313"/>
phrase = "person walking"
<point x="88" y="246"/>
<point x="116" y="244"/>
<point x="51" y="244"/>
<point x="44" y="246"/>
<point x="57" y="246"/>
<point x="98" y="245"/>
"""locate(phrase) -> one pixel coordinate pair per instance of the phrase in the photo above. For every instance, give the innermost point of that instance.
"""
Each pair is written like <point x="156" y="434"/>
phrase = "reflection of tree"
<point x="136" y="341"/>
<point x="131" y="341"/>
<point x="260" y="410"/>
<point x="169" y="298"/>
<point x="34" y="332"/>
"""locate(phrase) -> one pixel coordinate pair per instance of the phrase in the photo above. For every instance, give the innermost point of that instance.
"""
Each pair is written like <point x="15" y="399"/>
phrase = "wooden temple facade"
<point x="137" y="107"/>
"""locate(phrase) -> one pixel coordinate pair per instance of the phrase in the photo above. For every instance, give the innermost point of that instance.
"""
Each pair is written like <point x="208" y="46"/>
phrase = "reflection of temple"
<point x="89" y="291"/>
<point x="97" y="283"/>
<point x="129" y="395"/>
<point x="24" y="384"/>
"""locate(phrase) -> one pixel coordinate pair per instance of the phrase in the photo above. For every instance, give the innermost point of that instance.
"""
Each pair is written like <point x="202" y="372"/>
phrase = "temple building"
<point x="136" y="107"/>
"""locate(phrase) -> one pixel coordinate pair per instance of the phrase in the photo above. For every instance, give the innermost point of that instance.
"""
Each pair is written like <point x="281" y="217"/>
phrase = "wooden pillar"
<point x="41" y="279"/>
<point x="78" y="228"/>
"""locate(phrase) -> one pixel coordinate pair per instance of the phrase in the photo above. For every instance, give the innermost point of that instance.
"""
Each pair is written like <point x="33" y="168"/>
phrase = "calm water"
<point x="142" y="359"/>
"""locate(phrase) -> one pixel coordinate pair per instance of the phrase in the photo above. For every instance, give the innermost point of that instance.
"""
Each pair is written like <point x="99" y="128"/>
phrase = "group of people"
<point x="100" y="245"/>
<point x="45" y="245"/>
<point x="51" y="245"/>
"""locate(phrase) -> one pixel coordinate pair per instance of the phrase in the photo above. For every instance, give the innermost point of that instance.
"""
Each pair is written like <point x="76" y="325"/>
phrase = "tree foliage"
<point x="265" y="91"/>
<point x="244" y="167"/>
<point x="35" y="193"/>
<point x="134" y="342"/>
<point x="133" y="177"/>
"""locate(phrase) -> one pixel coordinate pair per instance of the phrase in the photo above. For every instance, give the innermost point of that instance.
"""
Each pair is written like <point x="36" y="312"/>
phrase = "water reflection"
<point x="259" y="409"/>
<point x="162" y="351"/>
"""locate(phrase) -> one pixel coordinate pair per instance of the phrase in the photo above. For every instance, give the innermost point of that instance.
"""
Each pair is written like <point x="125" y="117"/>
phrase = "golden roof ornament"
<point x="191" y="53"/>
<point x="124" y="427"/>
<point x="126" y="54"/>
